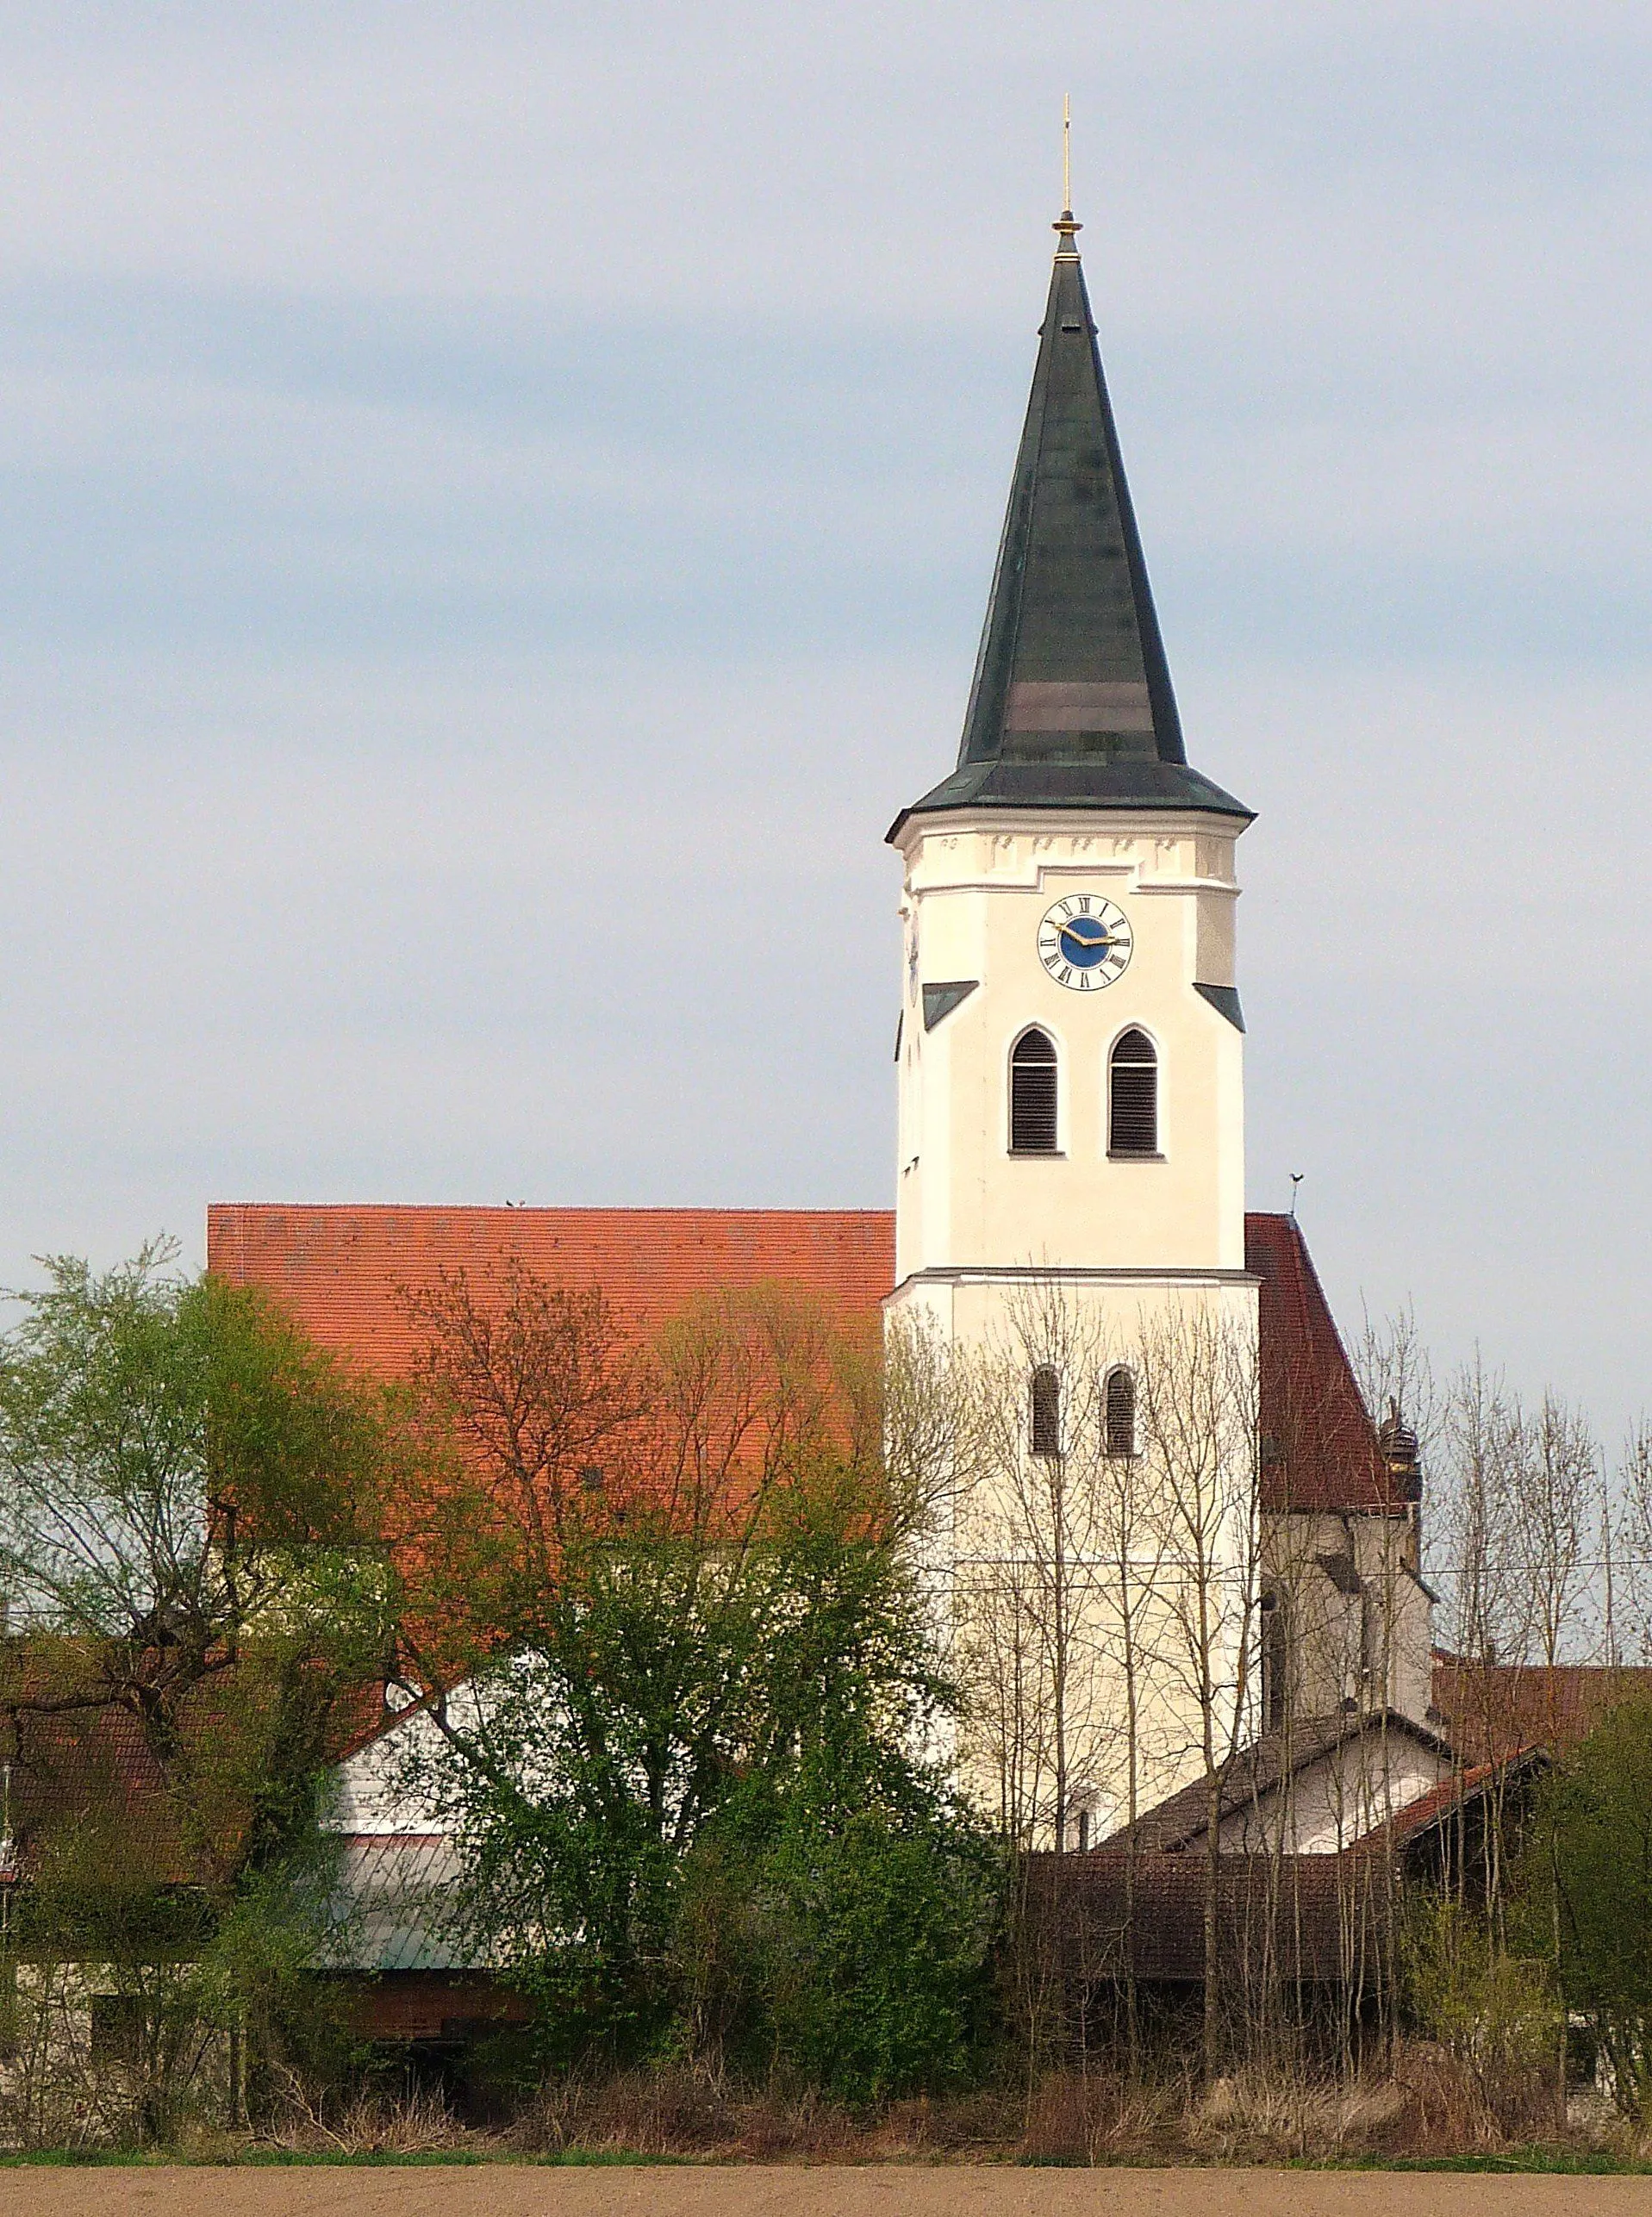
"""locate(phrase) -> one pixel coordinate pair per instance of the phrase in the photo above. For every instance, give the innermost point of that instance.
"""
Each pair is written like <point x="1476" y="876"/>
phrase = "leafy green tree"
<point x="886" y="1903"/>
<point x="193" y="1500"/>
<point x="192" y="1495"/>
<point x="1492" y="2010"/>
<point x="1590" y="1843"/>
<point x="684" y="1776"/>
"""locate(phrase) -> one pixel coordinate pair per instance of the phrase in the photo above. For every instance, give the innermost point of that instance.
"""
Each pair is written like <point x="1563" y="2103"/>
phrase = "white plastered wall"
<point x="973" y="895"/>
<point x="1135" y="1247"/>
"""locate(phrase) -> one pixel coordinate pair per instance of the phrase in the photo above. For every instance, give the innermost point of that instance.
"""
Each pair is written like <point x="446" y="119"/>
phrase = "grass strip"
<point x="327" y="2158"/>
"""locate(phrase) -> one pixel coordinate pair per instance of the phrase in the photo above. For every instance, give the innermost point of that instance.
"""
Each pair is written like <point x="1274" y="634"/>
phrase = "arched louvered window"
<point x="1119" y="1417"/>
<point x="1133" y="1096"/>
<point x="1033" y="1094"/>
<point x="1046" y="1413"/>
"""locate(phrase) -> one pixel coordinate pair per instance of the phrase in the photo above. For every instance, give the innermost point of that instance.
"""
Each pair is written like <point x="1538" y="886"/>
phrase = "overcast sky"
<point x="497" y="507"/>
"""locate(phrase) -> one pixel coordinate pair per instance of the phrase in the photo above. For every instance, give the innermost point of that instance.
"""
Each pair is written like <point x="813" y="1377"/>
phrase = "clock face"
<point x="1084" y="941"/>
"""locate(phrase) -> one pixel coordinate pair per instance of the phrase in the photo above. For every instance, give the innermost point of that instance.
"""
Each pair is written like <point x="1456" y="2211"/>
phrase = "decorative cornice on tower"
<point x="1072" y="705"/>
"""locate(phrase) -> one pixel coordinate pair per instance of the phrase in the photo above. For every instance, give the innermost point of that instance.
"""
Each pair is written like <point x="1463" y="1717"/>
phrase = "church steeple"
<point x="1072" y="706"/>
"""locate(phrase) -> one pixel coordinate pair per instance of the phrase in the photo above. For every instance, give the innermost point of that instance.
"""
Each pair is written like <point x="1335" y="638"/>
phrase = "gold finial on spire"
<point x="1065" y="224"/>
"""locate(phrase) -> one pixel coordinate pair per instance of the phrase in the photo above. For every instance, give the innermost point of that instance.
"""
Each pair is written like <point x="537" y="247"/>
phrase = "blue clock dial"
<point x="1084" y="941"/>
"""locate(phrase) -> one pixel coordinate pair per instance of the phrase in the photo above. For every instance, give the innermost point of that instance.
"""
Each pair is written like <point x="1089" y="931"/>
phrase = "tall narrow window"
<point x="1046" y="1413"/>
<point x="1119" y="1418"/>
<point x="1133" y="1096"/>
<point x="1275" y="1661"/>
<point x="1374" y="1646"/>
<point x="1033" y="1094"/>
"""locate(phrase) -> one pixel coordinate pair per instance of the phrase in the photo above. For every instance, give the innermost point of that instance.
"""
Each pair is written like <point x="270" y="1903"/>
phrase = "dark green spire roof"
<point x="1072" y="706"/>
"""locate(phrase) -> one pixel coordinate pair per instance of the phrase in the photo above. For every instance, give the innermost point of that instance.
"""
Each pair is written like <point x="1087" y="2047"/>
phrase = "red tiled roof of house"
<point x="1493" y="1709"/>
<point x="1319" y="1447"/>
<point x="1454" y="1793"/>
<point x="90" y="1767"/>
<point x="342" y="1271"/>
<point x="1102" y="1915"/>
<point x="89" y="1774"/>
<point x="1183" y="1817"/>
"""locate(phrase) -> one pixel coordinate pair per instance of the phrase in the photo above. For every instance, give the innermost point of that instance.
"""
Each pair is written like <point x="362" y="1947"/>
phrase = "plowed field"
<point x="873" y="2191"/>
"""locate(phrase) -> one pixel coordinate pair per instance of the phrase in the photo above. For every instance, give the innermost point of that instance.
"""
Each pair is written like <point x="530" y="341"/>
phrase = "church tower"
<point x="1071" y="1045"/>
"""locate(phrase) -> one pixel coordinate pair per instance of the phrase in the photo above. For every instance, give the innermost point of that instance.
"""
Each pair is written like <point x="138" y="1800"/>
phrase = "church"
<point x="1070" y="1140"/>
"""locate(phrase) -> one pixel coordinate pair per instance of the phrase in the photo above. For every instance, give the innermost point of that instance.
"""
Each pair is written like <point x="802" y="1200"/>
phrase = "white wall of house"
<point x="1340" y="1796"/>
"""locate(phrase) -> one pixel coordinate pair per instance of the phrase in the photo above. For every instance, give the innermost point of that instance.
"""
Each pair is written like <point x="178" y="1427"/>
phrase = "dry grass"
<point x="1428" y="2104"/>
<point x="418" y="2122"/>
<point x="688" y="2112"/>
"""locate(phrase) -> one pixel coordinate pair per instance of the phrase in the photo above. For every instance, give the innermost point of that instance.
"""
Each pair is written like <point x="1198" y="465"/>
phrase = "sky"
<point x="496" y="507"/>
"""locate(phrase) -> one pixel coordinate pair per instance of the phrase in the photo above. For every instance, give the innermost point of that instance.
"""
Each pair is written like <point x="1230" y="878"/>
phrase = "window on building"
<point x="1033" y="1094"/>
<point x="1276" y="1661"/>
<point x="119" y="2022"/>
<point x="1118" y="1419"/>
<point x="1374" y="1646"/>
<point x="1133" y="1096"/>
<point x="1046" y="1413"/>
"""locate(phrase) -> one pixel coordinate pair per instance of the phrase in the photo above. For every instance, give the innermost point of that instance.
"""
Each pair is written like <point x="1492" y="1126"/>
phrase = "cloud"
<point x="495" y="508"/>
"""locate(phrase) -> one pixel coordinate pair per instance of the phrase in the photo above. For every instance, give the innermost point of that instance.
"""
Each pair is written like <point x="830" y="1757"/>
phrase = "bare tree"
<point x="1633" y="1522"/>
<point x="1199" y="1415"/>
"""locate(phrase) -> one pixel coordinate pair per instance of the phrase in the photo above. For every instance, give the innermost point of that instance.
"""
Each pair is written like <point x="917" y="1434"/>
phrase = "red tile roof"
<point x="1320" y="1447"/>
<point x="1316" y="1917"/>
<point x="91" y="1767"/>
<point x="70" y="1770"/>
<point x="1184" y="1817"/>
<point x="1493" y="1711"/>
<point x="342" y="1271"/>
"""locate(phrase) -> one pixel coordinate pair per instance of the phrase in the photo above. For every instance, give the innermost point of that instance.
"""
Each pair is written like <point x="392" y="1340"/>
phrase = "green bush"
<point x="1493" y="2011"/>
<point x="881" y="1988"/>
<point x="1590" y="1854"/>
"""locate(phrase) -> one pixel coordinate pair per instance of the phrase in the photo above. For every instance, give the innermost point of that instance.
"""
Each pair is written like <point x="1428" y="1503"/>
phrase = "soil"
<point x="879" y="2190"/>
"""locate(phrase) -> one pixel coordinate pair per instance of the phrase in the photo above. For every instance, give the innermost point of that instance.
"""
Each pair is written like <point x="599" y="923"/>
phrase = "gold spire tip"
<point x="1065" y="224"/>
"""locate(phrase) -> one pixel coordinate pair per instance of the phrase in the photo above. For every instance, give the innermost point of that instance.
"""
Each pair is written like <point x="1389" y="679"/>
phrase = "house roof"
<point x="1106" y="1916"/>
<point x="343" y="1272"/>
<point x="1184" y="1817"/>
<point x="1320" y="1447"/>
<point x="1072" y="705"/>
<point x="1461" y="1790"/>
<point x="85" y="1776"/>
<point x="1494" y="1711"/>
